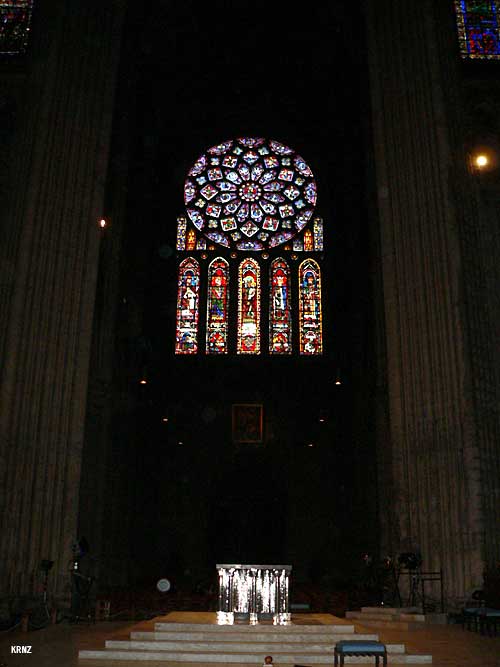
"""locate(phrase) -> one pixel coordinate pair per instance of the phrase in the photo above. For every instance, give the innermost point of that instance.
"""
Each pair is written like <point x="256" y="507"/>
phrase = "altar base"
<point x="197" y="637"/>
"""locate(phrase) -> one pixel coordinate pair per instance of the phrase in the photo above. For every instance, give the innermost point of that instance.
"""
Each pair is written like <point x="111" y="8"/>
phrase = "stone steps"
<point x="279" y="658"/>
<point x="254" y="636"/>
<point x="233" y="646"/>
<point x="389" y="618"/>
<point x="205" y="642"/>
<point x="161" y="626"/>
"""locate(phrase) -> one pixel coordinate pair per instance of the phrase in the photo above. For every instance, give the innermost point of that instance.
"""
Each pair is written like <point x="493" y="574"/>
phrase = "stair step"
<point x="245" y="636"/>
<point x="285" y="629"/>
<point x="251" y="658"/>
<point x="358" y="615"/>
<point x="391" y="610"/>
<point x="232" y="647"/>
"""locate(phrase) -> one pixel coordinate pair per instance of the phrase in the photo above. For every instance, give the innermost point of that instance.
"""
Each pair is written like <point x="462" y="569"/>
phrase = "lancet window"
<point x="280" y="310"/>
<point x="310" y="316"/>
<point x="217" y="306"/>
<point x="188" y="307"/>
<point x="249" y="307"/>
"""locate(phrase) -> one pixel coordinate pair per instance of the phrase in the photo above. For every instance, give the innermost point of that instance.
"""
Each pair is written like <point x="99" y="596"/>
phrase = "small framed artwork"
<point x="247" y="422"/>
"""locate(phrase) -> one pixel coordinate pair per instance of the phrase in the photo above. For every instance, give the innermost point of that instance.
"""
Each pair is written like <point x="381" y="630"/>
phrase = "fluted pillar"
<point x="430" y="463"/>
<point x="59" y="197"/>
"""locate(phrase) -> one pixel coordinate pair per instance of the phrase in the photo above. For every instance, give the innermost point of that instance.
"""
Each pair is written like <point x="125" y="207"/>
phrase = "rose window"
<point x="250" y="193"/>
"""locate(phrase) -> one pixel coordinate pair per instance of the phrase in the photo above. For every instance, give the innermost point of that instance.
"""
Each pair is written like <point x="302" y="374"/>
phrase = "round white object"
<point x="163" y="585"/>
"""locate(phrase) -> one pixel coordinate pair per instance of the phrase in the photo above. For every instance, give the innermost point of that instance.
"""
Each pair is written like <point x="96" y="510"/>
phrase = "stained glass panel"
<point x="310" y="315"/>
<point x="249" y="307"/>
<point x="308" y="241"/>
<point x="188" y="307"/>
<point x="318" y="234"/>
<point x="478" y="28"/>
<point x="15" y="23"/>
<point x="217" y="306"/>
<point x="181" y="233"/>
<point x="280" y="320"/>
<point x="191" y="240"/>
<point x="250" y="193"/>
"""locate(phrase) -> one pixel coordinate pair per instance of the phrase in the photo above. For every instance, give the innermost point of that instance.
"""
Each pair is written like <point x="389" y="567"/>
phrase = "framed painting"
<point x="247" y="422"/>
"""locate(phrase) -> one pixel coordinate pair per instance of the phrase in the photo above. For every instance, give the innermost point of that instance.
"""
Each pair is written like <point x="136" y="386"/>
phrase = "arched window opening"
<point x="217" y="306"/>
<point x="249" y="307"/>
<point x="280" y="320"/>
<point x="310" y="315"/>
<point x="188" y="307"/>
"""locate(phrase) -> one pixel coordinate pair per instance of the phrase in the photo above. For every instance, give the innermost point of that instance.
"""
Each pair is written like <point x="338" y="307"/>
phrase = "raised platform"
<point x="389" y="618"/>
<point x="196" y="637"/>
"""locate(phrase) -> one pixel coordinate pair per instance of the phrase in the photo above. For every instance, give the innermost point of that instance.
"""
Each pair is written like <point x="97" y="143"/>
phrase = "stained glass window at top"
<point x="188" y="307"/>
<point x="310" y="315"/>
<point x="249" y="307"/>
<point x="250" y="193"/>
<point x="217" y="306"/>
<point x="280" y="320"/>
<point x="478" y="28"/>
<point x="15" y="24"/>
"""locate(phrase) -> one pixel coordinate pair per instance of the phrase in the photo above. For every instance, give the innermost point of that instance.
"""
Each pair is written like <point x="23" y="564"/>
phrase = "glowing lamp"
<point x="143" y="381"/>
<point x="102" y="223"/>
<point x="481" y="161"/>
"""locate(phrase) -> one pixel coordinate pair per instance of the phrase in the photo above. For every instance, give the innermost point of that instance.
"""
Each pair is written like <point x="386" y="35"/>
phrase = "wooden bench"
<point x="354" y="647"/>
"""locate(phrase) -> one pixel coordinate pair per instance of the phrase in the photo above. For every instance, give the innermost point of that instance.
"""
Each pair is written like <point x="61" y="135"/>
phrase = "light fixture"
<point x="481" y="161"/>
<point x="102" y="223"/>
<point x="143" y="381"/>
<point x="165" y="419"/>
<point x="310" y="444"/>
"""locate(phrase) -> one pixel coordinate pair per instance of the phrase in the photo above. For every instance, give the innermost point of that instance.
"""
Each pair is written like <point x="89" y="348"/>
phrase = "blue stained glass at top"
<point x="15" y="24"/>
<point x="478" y="28"/>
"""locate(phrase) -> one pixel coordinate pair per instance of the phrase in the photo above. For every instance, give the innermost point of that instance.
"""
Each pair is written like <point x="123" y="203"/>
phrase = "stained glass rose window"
<point x="250" y="193"/>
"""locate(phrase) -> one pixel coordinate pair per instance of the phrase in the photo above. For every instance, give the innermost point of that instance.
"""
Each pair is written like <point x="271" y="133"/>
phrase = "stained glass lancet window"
<point x="15" y="24"/>
<point x="478" y="28"/>
<point x="181" y="233"/>
<point x="188" y="307"/>
<point x="249" y="307"/>
<point x="280" y="316"/>
<point x="318" y="234"/>
<point x="217" y="306"/>
<point x="310" y="315"/>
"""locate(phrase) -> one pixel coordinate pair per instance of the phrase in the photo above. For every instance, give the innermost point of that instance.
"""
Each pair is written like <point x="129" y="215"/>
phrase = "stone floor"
<point x="57" y="646"/>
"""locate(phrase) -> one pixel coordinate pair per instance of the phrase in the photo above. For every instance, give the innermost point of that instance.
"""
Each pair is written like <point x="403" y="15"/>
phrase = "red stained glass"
<point x="249" y="307"/>
<point x="217" y="306"/>
<point x="280" y="321"/>
<point x="187" y="307"/>
<point x="310" y="315"/>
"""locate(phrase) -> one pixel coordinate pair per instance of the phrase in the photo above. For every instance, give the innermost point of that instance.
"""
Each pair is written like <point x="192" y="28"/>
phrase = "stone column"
<point x="58" y="200"/>
<point x="431" y="457"/>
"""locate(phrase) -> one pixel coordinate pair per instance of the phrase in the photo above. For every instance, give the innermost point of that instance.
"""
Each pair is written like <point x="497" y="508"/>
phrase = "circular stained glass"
<point x="250" y="193"/>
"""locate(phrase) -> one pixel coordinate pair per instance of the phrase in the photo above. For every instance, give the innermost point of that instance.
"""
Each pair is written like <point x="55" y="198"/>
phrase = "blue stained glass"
<point x="478" y="28"/>
<point x="15" y="24"/>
